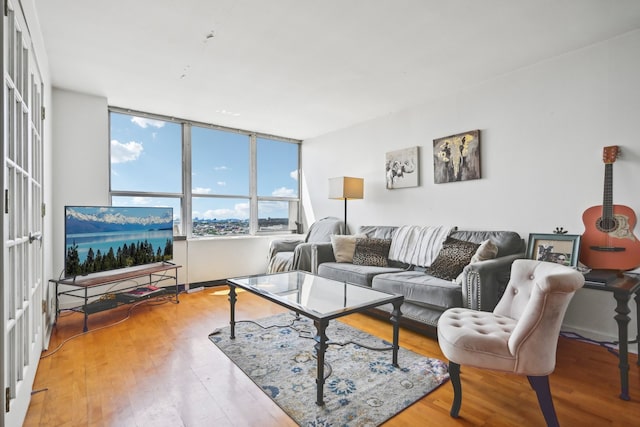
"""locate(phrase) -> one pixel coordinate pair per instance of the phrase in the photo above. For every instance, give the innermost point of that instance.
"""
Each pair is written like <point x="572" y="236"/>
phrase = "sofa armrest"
<point x="321" y="252"/>
<point x="282" y="245"/>
<point x="302" y="258"/>
<point x="484" y="282"/>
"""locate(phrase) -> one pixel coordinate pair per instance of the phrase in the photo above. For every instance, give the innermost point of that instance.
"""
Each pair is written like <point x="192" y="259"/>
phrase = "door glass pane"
<point x="146" y="154"/>
<point x="219" y="162"/>
<point x="10" y="147"/>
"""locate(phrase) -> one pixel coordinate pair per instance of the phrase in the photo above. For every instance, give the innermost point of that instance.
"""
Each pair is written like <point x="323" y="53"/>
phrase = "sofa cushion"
<point x="420" y="288"/>
<point x="374" y="252"/>
<point x="358" y="274"/>
<point x="416" y="312"/>
<point x="452" y="258"/>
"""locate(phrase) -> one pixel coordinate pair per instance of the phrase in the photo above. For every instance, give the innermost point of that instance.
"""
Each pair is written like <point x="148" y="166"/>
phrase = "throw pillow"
<point x="344" y="246"/>
<point x="452" y="258"/>
<point x="372" y="251"/>
<point x="487" y="250"/>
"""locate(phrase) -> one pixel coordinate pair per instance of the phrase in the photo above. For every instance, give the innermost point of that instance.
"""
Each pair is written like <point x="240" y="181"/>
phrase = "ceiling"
<point x="301" y="68"/>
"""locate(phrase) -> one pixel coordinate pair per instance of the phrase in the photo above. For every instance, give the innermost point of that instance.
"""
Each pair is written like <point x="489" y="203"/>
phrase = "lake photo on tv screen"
<point x="101" y="238"/>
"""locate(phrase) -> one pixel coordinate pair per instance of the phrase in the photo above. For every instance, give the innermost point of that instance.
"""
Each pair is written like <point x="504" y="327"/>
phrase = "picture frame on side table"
<point x="559" y="248"/>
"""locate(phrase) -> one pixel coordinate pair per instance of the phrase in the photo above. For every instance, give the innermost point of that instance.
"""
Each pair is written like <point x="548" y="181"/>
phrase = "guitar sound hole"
<point x="607" y="225"/>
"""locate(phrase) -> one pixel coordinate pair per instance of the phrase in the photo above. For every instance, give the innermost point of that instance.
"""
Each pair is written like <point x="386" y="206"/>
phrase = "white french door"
<point x="22" y="203"/>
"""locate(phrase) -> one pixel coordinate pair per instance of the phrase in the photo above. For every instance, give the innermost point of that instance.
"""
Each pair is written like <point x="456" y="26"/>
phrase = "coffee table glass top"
<point x="313" y="294"/>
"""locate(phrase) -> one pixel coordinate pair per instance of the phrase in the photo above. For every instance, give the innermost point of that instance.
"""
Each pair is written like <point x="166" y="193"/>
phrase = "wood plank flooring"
<point x="158" y="368"/>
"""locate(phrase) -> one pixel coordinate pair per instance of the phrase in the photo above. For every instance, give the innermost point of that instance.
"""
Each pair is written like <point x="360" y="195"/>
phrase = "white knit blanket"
<point x="417" y="245"/>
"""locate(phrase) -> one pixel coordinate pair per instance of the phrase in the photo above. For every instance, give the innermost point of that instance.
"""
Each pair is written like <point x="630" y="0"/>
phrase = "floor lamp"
<point x="345" y="188"/>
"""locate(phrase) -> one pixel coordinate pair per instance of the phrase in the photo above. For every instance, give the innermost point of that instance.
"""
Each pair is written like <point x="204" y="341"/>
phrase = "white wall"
<point x="80" y="159"/>
<point x="542" y="133"/>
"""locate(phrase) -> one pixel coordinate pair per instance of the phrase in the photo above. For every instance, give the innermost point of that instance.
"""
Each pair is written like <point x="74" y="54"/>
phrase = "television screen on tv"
<point x="102" y="238"/>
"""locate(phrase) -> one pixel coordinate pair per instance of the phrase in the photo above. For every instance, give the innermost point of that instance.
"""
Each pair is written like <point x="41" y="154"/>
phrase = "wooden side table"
<point x="623" y="287"/>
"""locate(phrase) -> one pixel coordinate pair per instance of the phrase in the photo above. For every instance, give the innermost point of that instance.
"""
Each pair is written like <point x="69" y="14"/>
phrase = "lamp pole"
<point x="345" y="216"/>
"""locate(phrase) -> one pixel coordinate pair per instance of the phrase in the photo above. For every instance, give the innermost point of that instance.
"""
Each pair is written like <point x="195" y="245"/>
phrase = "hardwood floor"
<point x="158" y="368"/>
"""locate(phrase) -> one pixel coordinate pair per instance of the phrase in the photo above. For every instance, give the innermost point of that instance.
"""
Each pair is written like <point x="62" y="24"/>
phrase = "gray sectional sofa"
<point x="479" y="286"/>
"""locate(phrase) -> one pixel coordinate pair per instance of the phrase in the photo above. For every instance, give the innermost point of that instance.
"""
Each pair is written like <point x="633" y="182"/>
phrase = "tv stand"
<point x="108" y="299"/>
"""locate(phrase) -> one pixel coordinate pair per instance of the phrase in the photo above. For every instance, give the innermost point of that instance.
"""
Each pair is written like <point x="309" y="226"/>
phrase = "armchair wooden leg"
<point x="541" y="387"/>
<point x="454" y="375"/>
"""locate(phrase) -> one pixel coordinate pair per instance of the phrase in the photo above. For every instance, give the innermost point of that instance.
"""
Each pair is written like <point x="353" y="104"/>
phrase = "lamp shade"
<point x="345" y="188"/>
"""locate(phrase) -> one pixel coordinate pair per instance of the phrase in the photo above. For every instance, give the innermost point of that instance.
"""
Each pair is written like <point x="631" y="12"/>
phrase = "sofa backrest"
<point x="508" y="242"/>
<point x="378" y="231"/>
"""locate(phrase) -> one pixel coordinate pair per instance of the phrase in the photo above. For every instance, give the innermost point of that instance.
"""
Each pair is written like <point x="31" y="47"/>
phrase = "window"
<point x="277" y="171"/>
<point x="205" y="173"/>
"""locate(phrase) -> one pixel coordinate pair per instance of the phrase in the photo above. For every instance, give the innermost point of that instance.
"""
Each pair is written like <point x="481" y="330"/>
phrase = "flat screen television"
<point x="102" y="238"/>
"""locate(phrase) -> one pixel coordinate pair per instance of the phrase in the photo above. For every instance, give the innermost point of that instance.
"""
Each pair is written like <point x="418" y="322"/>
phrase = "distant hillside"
<point x="78" y="222"/>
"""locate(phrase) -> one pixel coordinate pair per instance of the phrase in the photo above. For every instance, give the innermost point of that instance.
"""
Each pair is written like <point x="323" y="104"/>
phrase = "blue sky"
<point x="146" y="155"/>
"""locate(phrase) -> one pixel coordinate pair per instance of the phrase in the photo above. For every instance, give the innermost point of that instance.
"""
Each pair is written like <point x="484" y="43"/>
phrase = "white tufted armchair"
<point x="520" y="336"/>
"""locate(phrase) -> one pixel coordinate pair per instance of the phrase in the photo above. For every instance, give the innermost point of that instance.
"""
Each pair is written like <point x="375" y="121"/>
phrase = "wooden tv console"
<point x="79" y="286"/>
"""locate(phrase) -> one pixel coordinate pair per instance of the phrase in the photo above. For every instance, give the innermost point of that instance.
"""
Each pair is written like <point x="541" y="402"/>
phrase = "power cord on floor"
<point x="134" y="305"/>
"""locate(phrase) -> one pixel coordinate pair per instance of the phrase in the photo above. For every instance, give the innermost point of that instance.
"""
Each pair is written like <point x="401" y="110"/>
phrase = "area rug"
<point x="363" y="388"/>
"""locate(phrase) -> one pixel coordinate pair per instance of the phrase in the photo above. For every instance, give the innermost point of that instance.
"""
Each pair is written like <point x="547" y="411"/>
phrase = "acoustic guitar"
<point x="608" y="241"/>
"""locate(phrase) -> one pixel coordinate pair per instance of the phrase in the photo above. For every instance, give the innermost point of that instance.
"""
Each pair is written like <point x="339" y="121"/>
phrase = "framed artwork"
<point x="402" y="168"/>
<point x="456" y="157"/>
<point x="559" y="248"/>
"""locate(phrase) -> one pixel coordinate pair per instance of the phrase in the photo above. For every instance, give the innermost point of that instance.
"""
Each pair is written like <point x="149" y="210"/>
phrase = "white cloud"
<point x="221" y="168"/>
<point x="141" y="201"/>
<point x="294" y="174"/>
<point x="284" y="192"/>
<point x="145" y="123"/>
<point x="201" y="190"/>
<point x="128" y="152"/>
<point x="221" y="183"/>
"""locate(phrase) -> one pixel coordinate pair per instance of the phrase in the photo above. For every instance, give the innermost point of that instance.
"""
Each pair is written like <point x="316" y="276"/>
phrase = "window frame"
<point x="186" y="196"/>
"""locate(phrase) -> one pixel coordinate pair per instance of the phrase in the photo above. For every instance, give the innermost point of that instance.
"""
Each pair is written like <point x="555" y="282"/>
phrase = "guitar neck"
<point x="607" y="201"/>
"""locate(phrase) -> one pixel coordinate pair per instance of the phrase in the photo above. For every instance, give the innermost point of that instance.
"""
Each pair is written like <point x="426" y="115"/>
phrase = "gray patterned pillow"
<point x="373" y="252"/>
<point x="452" y="258"/>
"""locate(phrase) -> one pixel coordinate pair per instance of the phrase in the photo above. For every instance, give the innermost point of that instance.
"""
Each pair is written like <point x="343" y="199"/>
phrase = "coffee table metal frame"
<point x="320" y="320"/>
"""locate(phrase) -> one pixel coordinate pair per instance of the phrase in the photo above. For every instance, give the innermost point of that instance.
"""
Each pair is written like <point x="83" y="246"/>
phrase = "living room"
<point x="543" y="128"/>
<point x="543" y="122"/>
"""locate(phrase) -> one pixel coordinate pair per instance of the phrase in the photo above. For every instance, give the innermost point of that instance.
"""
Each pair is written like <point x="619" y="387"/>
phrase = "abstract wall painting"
<point x="402" y="169"/>
<point x="456" y="157"/>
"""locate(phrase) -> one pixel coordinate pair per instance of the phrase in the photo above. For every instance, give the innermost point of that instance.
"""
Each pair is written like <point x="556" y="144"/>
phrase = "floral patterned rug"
<point x="363" y="388"/>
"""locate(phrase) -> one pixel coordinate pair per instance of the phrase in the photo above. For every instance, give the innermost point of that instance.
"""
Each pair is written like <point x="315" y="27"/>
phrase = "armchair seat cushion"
<point x="421" y="289"/>
<point x="477" y="338"/>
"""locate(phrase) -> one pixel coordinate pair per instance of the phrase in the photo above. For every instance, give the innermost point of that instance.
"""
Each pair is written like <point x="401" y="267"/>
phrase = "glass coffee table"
<point x="320" y="300"/>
